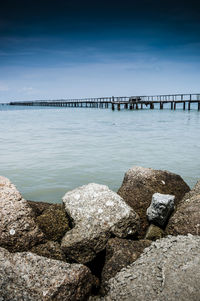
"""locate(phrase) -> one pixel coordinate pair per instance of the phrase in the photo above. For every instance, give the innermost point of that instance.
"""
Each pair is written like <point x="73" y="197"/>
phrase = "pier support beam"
<point x="161" y="105"/>
<point x="118" y="106"/>
<point x="151" y="106"/>
<point x="184" y="105"/>
<point x="199" y="106"/>
<point x="174" y="105"/>
<point x="131" y="107"/>
<point x="189" y="106"/>
<point x="113" y="106"/>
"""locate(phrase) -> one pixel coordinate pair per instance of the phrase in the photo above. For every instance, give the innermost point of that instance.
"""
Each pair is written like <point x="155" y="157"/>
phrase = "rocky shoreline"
<point x="141" y="243"/>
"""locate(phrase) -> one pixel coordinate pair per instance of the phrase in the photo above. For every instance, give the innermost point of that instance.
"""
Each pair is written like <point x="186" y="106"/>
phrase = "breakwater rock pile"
<point x="141" y="243"/>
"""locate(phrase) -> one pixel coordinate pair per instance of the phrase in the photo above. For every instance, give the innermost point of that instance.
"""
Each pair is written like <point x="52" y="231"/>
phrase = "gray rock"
<point x="28" y="277"/>
<point x="97" y="213"/>
<point x="18" y="230"/>
<point x="167" y="270"/>
<point x="162" y="205"/>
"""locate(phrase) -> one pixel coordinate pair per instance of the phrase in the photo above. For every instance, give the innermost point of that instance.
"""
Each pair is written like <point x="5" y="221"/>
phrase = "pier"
<point x="122" y="102"/>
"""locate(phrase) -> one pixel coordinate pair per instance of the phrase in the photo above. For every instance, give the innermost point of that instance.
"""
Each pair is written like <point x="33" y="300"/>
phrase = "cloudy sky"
<point x="51" y="49"/>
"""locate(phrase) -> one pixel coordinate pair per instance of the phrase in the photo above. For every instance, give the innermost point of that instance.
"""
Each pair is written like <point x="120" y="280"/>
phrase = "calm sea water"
<point x="49" y="151"/>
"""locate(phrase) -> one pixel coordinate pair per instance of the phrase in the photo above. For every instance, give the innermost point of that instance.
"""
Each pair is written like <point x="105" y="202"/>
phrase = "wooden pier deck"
<point x="125" y="102"/>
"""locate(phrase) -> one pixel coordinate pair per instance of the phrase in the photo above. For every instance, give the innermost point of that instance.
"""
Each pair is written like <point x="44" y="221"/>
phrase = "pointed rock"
<point x="18" y="230"/>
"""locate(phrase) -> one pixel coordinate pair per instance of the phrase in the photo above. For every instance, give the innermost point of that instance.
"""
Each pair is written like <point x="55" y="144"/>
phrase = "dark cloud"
<point x="60" y="33"/>
<point x="29" y="17"/>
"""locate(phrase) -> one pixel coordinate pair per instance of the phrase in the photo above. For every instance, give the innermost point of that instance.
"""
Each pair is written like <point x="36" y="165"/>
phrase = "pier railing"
<point x="129" y="102"/>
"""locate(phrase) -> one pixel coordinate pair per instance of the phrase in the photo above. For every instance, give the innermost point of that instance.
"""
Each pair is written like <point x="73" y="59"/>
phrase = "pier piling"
<point x="125" y="102"/>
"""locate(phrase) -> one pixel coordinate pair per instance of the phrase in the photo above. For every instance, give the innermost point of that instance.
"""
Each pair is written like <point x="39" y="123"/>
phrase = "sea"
<point x="48" y="151"/>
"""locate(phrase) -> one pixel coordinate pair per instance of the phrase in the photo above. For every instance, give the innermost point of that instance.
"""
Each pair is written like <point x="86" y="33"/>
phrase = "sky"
<point x="55" y="49"/>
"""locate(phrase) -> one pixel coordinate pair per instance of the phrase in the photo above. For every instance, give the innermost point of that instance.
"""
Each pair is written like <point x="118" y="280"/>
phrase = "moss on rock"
<point x="54" y="222"/>
<point x="154" y="233"/>
<point x="38" y="207"/>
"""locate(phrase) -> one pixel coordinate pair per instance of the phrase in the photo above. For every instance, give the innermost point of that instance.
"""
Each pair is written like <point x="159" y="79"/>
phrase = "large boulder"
<point x="140" y="184"/>
<point x="26" y="276"/>
<point x="97" y="213"/>
<point x="119" y="254"/>
<point x="18" y="230"/>
<point x="167" y="270"/>
<point x="54" y="222"/>
<point x="186" y="219"/>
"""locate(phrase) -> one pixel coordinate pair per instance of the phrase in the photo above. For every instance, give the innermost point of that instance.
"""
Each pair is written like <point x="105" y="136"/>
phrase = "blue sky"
<point x="72" y="49"/>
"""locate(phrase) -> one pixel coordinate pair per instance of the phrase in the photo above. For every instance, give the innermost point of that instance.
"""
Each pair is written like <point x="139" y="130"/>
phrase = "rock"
<point x="26" y="276"/>
<point x="154" y="233"/>
<point x="195" y="191"/>
<point x="162" y="205"/>
<point x="54" y="222"/>
<point x="50" y="249"/>
<point x="119" y="254"/>
<point x="38" y="207"/>
<point x="167" y="270"/>
<point x="18" y="230"/>
<point x="97" y="213"/>
<point x="140" y="184"/>
<point x="186" y="219"/>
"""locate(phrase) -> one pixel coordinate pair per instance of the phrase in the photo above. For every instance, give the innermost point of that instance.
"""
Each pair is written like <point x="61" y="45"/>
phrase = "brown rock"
<point x="195" y="191"/>
<point x="54" y="222"/>
<point x="186" y="218"/>
<point x="18" y="230"/>
<point x="38" y="207"/>
<point x="154" y="233"/>
<point x="119" y="254"/>
<point x="50" y="249"/>
<point x="28" y="277"/>
<point x="140" y="184"/>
